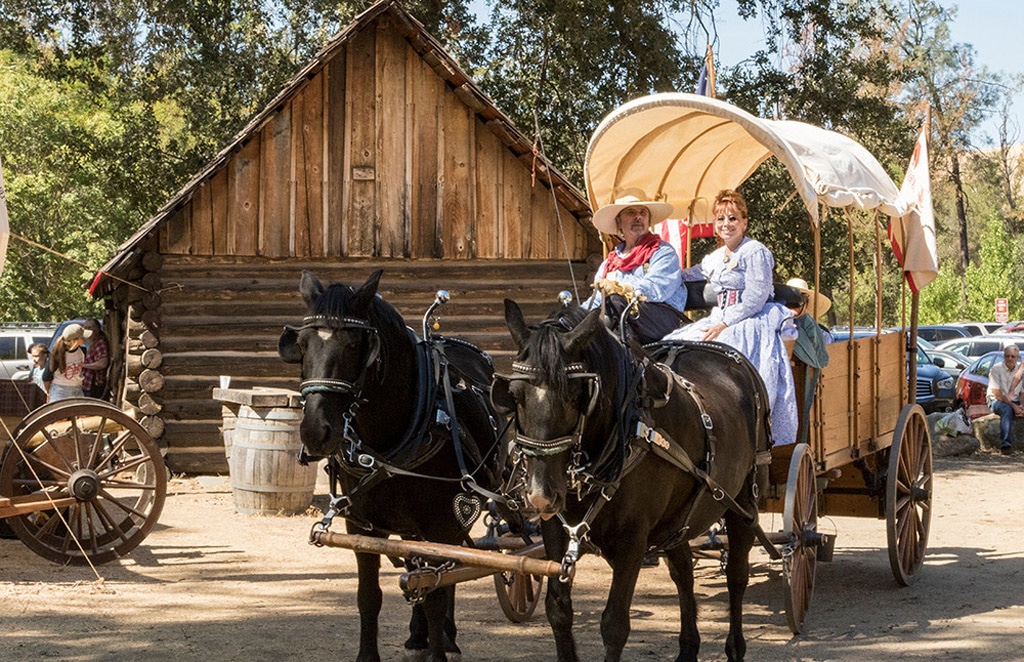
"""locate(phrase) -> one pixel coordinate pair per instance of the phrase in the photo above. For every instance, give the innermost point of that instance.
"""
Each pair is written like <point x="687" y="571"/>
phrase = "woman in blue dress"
<point x="740" y="272"/>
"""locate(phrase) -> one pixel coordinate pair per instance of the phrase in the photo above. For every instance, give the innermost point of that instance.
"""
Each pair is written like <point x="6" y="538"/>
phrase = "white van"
<point x="15" y="340"/>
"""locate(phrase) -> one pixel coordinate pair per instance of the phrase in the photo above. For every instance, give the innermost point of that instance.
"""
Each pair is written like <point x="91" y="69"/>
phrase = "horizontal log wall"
<point x="377" y="155"/>
<point x="223" y="316"/>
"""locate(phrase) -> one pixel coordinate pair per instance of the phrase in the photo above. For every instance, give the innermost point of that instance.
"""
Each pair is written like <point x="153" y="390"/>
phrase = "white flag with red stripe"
<point x="913" y="234"/>
<point x="674" y="231"/>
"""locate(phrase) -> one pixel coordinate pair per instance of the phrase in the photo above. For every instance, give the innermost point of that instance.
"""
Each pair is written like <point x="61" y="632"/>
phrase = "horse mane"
<point x="545" y="351"/>
<point x="337" y="301"/>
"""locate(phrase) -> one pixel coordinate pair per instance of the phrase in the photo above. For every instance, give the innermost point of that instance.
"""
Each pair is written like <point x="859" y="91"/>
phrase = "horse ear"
<point x="310" y="287"/>
<point x="288" y="346"/>
<point x="366" y="291"/>
<point x="516" y="324"/>
<point x="578" y="338"/>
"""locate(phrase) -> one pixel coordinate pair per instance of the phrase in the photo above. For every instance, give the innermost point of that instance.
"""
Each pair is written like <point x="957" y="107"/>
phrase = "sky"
<point x="993" y="27"/>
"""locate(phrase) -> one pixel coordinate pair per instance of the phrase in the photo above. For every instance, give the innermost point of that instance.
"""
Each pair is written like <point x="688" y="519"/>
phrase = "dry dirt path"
<point x="212" y="585"/>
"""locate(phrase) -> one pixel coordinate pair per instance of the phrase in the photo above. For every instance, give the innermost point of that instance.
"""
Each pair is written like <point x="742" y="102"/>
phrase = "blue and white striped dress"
<point x="756" y="326"/>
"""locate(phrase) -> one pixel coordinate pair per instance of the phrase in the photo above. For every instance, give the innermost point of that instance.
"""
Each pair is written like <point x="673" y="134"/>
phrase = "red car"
<point x="973" y="383"/>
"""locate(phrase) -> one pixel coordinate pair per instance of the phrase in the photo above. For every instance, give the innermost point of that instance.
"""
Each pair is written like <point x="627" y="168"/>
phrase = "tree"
<point x="943" y="80"/>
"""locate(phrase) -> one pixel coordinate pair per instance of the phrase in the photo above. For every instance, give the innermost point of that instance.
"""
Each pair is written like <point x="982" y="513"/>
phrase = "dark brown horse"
<point x="409" y="431"/>
<point x="617" y="451"/>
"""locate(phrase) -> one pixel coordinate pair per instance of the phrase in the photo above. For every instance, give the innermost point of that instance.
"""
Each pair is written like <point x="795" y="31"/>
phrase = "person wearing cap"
<point x="811" y="341"/>
<point x="740" y="273"/>
<point x="642" y="264"/>
<point x="63" y="376"/>
<point x="97" y="358"/>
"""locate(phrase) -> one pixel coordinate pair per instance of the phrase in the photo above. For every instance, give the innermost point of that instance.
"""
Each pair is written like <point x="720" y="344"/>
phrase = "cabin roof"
<point x="440" y="61"/>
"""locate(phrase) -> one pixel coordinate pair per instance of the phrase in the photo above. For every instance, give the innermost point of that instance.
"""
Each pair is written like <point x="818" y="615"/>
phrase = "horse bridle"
<point x="341" y="386"/>
<point x="538" y="447"/>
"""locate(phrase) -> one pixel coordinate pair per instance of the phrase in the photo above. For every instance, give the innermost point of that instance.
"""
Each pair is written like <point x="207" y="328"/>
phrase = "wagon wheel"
<point x="800" y="518"/>
<point x="93" y="452"/>
<point x="518" y="594"/>
<point x="908" y="494"/>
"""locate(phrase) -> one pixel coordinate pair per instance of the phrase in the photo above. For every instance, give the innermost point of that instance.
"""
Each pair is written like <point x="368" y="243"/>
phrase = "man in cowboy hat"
<point x="642" y="265"/>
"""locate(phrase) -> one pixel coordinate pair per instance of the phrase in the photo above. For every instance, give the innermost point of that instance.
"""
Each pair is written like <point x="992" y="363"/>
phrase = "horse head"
<point x="557" y="395"/>
<point x="341" y="346"/>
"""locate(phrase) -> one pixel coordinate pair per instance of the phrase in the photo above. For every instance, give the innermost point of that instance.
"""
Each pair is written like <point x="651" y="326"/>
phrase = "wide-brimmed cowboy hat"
<point x="822" y="302"/>
<point x="604" y="218"/>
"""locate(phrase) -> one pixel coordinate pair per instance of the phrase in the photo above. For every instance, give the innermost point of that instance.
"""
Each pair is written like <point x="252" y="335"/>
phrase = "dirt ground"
<point x="209" y="584"/>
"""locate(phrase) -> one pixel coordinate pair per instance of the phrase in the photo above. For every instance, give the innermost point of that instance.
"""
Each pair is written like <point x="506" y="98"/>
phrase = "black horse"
<point x="632" y="459"/>
<point x="410" y="433"/>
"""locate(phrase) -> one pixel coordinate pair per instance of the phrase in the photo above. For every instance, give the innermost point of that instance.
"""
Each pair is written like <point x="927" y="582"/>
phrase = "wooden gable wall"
<point x="375" y="156"/>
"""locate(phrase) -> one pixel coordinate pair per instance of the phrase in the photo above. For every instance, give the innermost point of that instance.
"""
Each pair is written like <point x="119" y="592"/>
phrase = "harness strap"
<point x="672" y="453"/>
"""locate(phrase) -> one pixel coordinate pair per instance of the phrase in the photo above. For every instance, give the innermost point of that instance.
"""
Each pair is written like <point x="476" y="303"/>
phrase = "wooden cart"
<point x="868" y="451"/>
<point x="81" y="482"/>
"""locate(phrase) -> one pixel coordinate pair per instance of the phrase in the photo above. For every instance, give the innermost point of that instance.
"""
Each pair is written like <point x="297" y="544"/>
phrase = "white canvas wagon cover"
<point x="684" y="148"/>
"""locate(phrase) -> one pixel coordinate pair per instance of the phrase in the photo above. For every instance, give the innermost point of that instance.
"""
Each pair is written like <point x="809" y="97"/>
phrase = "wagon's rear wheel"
<point x="518" y="594"/>
<point x="800" y="521"/>
<point x="93" y="452"/>
<point x="908" y="494"/>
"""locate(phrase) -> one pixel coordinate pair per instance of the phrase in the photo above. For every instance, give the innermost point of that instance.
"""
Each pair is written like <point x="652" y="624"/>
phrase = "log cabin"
<point x="380" y="153"/>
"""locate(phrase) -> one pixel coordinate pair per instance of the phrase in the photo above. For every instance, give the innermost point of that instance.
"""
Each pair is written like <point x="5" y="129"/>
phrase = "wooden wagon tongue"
<point x="518" y="561"/>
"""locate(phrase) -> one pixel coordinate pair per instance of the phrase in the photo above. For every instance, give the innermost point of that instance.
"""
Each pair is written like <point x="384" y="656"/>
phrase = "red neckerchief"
<point x="641" y="254"/>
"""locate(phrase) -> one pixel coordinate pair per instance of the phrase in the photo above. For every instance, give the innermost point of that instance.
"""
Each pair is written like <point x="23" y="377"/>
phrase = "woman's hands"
<point x="712" y="333"/>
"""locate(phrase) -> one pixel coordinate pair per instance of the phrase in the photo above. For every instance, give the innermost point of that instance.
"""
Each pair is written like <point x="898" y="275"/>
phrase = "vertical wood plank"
<point x="244" y="199"/>
<point x="392" y="196"/>
<point x="202" y="220"/>
<point x="336" y="170"/>
<point x="458" y="195"/>
<point x="275" y="191"/>
<point x="488" y="149"/>
<point x="542" y="220"/>
<point x="307" y="130"/>
<point x="513" y="209"/>
<point x="361" y="101"/>
<point x="427" y="91"/>
<point x="176" y="233"/>
<point x="219" y="209"/>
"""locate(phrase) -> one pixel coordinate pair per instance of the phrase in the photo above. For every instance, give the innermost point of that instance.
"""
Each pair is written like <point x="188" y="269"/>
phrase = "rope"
<point x="558" y="213"/>
<point x="71" y="259"/>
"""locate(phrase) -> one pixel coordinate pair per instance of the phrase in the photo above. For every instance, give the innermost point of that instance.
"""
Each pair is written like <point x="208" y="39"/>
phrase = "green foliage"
<point x="127" y="99"/>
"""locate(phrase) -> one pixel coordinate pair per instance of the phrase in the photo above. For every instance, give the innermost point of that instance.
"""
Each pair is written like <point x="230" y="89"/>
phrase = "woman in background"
<point x="62" y="378"/>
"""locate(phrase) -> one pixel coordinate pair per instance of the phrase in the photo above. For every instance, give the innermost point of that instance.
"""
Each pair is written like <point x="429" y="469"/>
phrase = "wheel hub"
<point x="84" y="484"/>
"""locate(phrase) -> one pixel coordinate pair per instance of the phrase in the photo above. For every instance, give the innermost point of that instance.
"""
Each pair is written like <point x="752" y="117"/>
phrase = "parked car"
<point x="979" y="345"/>
<point x="951" y="362"/>
<point x="981" y="328"/>
<point x="15" y="341"/>
<point x="1011" y="327"/>
<point x="972" y="384"/>
<point x="939" y="332"/>
<point x="935" y="387"/>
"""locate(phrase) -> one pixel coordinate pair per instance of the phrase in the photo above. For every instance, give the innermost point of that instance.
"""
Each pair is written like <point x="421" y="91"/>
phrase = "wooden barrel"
<point x="229" y="417"/>
<point x="266" y="477"/>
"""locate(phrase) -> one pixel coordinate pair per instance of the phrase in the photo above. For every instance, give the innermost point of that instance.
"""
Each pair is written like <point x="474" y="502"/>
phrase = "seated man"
<point x="1003" y="395"/>
<point x="642" y="264"/>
